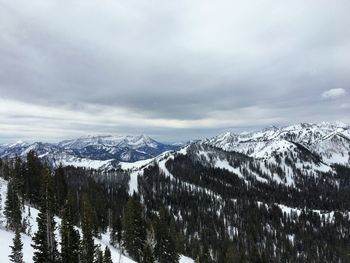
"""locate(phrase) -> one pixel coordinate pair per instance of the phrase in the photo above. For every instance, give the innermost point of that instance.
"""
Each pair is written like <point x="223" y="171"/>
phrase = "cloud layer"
<point x="173" y="70"/>
<point x="333" y="93"/>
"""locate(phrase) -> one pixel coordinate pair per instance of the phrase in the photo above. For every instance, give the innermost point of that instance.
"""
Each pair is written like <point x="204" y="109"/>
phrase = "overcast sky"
<point x="174" y="70"/>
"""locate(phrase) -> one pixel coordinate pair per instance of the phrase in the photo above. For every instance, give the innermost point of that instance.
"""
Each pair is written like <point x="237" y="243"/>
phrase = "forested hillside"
<point x="80" y="216"/>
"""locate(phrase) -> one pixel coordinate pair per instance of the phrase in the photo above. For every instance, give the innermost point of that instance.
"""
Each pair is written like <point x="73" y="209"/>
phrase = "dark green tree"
<point x="44" y="239"/>
<point x="17" y="254"/>
<point x="32" y="179"/>
<point x="12" y="210"/>
<point x="148" y="256"/>
<point x="87" y="244"/>
<point x="116" y="231"/>
<point x="134" y="229"/>
<point x="70" y="238"/>
<point x="107" y="256"/>
<point x="98" y="255"/>
<point x="165" y="248"/>
<point x="231" y="255"/>
<point x="61" y="189"/>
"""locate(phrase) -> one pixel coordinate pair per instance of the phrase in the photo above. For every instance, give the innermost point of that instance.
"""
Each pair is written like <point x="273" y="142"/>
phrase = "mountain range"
<point x="279" y="191"/>
<point x="90" y="151"/>
<point x="326" y="143"/>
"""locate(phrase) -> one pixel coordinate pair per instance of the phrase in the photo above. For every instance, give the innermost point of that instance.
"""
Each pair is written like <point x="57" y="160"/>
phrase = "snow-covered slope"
<point x="7" y="236"/>
<point x="91" y="151"/>
<point x="279" y="161"/>
<point x="331" y="141"/>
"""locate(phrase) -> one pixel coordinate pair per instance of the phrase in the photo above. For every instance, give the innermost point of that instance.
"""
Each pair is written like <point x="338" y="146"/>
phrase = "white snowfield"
<point x="331" y="140"/>
<point x="6" y="236"/>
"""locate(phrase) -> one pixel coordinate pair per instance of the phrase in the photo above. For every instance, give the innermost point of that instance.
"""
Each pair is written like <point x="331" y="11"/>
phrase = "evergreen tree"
<point x="98" y="255"/>
<point x="231" y="255"/>
<point x="148" y="256"/>
<point x="107" y="257"/>
<point x="165" y="250"/>
<point x="61" y="190"/>
<point x="87" y="245"/>
<point x="17" y="254"/>
<point x="70" y="239"/>
<point x="44" y="238"/>
<point x="116" y="231"/>
<point x="32" y="180"/>
<point x="12" y="210"/>
<point x="135" y="230"/>
<point x="204" y="257"/>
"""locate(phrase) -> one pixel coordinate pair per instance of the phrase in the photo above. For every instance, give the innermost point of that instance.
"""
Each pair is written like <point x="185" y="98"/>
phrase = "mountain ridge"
<point x="329" y="141"/>
<point x="98" y="147"/>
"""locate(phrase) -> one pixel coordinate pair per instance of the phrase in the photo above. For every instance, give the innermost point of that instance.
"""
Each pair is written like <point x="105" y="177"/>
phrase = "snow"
<point x="88" y="151"/>
<point x="163" y="168"/>
<point x="223" y="164"/>
<point x="135" y="170"/>
<point x="183" y="150"/>
<point x="86" y="163"/>
<point x="133" y="185"/>
<point x="5" y="250"/>
<point x="134" y="165"/>
<point x="7" y="236"/>
<point x="330" y="140"/>
<point x="184" y="259"/>
<point x="110" y="140"/>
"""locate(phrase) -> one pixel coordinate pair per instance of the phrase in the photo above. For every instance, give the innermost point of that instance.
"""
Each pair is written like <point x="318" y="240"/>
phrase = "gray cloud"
<point x="173" y="70"/>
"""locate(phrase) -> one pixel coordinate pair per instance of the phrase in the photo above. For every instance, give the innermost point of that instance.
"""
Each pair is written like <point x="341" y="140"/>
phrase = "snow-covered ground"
<point x="7" y="236"/>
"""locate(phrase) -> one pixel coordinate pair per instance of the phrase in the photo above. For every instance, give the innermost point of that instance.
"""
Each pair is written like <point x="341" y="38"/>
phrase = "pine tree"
<point x="12" y="210"/>
<point x="44" y="238"/>
<point x="107" y="257"/>
<point x="17" y="254"/>
<point x="87" y="244"/>
<point x="148" y="256"/>
<point x="70" y="239"/>
<point x="135" y="230"/>
<point x="231" y="255"/>
<point x="33" y="177"/>
<point x="61" y="190"/>
<point x="165" y="250"/>
<point x="98" y="255"/>
<point x="205" y="256"/>
<point x="116" y="231"/>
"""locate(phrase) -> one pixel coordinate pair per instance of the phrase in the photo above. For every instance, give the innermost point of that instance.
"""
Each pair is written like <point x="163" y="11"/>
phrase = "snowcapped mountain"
<point x="330" y="141"/>
<point x="279" y="155"/>
<point x="282" y="171"/>
<point x="317" y="146"/>
<point x="91" y="151"/>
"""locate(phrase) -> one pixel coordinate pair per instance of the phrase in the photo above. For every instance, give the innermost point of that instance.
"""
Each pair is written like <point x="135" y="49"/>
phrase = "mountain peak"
<point x="329" y="139"/>
<point x="88" y="148"/>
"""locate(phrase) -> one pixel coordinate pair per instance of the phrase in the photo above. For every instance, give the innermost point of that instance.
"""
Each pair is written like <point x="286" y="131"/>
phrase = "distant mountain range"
<point x="325" y="143"/>
<point x="91" y="151"/>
